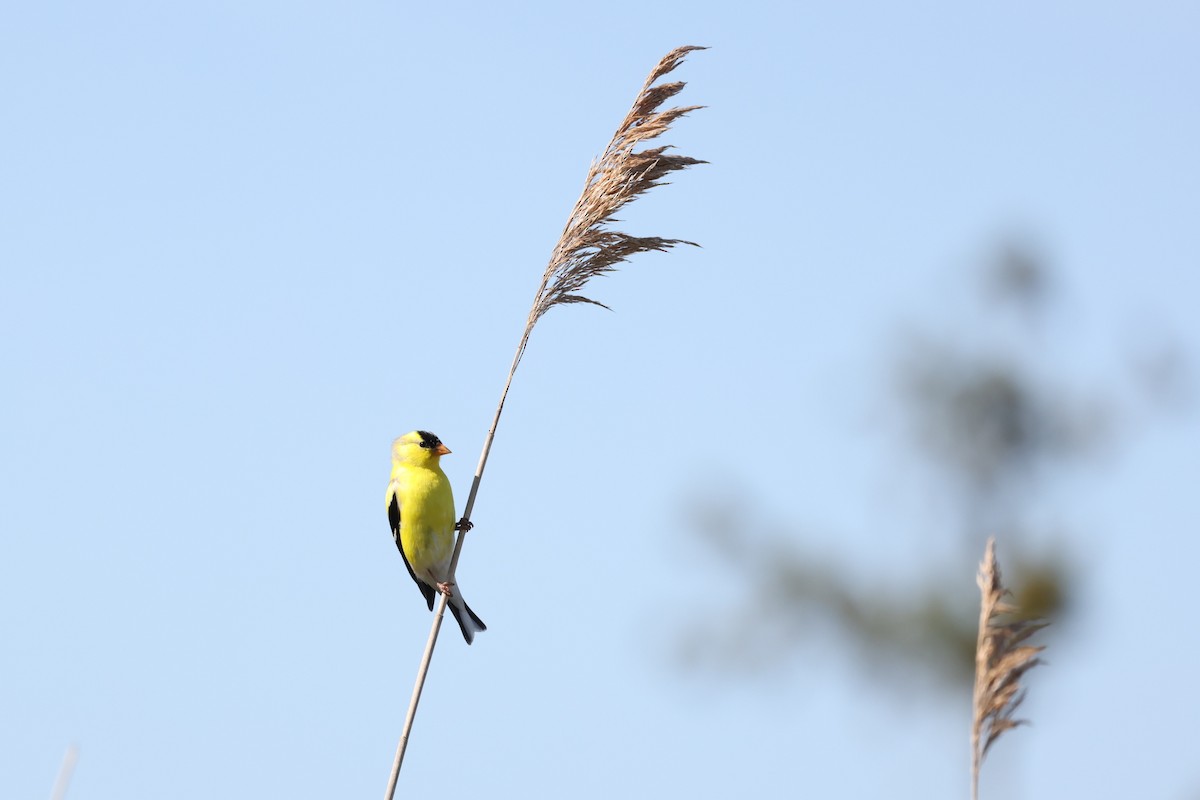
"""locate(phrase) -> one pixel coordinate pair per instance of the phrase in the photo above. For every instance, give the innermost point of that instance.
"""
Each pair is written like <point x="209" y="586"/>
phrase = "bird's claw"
<point x="464" y="525"/>
<point x="446" y="588"/>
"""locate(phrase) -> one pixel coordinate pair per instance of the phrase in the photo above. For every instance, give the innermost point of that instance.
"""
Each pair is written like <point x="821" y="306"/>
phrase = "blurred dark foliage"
<point x="991" y="430"/>
<point x="791" y="594"/>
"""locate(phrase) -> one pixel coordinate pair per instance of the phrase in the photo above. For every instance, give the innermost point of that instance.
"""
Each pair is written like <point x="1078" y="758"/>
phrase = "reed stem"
<point x="587" y="248"/>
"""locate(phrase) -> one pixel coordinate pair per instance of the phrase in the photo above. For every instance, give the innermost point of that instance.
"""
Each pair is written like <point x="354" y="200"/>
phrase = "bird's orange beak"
<point x="442" y="450"/>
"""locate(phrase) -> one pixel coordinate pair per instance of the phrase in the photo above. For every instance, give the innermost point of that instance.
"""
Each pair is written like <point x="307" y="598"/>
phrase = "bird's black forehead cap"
<point x="428" y="439"/>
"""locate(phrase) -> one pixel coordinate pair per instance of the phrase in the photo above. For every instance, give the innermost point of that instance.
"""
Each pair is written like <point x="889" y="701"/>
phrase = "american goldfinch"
<point x="421" y="512"/>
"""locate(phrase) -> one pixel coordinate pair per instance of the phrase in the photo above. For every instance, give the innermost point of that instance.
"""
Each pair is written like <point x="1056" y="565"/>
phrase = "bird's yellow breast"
<point x="426" y="517"/>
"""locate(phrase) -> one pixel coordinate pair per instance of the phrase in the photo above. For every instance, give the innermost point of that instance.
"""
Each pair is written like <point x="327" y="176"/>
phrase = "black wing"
<point x="394" y="520"/>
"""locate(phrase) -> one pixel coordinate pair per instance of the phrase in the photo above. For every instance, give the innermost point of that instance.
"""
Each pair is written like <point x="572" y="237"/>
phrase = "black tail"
<point x="470" y="623"/>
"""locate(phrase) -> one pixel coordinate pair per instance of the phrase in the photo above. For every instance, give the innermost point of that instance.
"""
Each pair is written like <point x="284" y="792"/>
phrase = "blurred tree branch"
<point x="994" y="433"/>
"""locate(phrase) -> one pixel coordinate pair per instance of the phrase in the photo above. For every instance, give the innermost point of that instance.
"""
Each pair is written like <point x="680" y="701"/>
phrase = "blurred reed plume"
<point x="1001" y="659"/>
<point x="588" y="247"/>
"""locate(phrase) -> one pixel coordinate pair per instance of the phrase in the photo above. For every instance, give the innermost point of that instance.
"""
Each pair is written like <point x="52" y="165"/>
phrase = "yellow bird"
<point x="421" y="512"/>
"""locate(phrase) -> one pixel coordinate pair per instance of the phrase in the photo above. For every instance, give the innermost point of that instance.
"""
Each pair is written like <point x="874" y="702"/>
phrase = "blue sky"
<point x="244" y="245"/>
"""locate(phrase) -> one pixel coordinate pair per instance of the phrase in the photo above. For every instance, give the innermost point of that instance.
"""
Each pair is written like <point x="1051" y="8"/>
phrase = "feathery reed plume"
<point x="587" y="248"/>
<point x="1001" y="659"/>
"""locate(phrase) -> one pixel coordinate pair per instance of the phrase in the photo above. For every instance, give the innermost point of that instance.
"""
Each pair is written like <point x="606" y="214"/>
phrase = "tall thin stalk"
<point x="587" y="248"/>
<point x="65" y="770"/>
